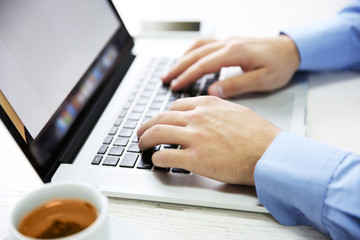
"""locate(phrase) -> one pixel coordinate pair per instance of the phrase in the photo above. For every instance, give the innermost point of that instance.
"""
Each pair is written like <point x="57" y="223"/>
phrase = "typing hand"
<point x="218" y="139"/>
<point x="268" y="64"/>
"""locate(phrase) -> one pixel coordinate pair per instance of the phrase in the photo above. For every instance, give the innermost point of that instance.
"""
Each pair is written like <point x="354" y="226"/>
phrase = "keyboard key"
<point x="108" y="140"/>
<point x="116" y="151"/>
<point x="130" y="124"/>
<point x="158" y="72"/>
<point x="135" y="116"/>
<point x="129" y="160"/>
<point x="159" y="98"/>
<point x="113" y="131"/>
<point x="210" y="80"/>
<point x="122" y="114"/>
<point x="145" y="160"/>
<point x="163" y="90"/>
<point x="111" y="161"/>
<point x="153" y="81"/>
<point x="193" y="89"/>
<point x="149" y="87"/>
<point x="156" y="106"/>
<point x="168" y="105"/>
<point x="180" y="170"/>
<point x="133" y="94"/>
<point x="134" y="147"/>
<point x="121" y="141"/>
<point x="144" y="164"/>
<point x="96" y="160"/>
<point x="139" y="108"/>
<point x="171" y="146"/>
<point x="118" y="122"/>
<point x="151" y="113"/>
<point x="102" y="149"/>
<point x="156" y="148"/>
<point x="161" y="169"/>
<point x="135" y="139"/>
<point x="186" y="95"/>
<point x="142" y="101"/>
<point x="127" y="105"/>
<point x="145" y="120"/>
<point x="125" y="132"/>
<point x="174" y="96"/>
<point x="146" y="94"/>
<point x="146" y="155"/>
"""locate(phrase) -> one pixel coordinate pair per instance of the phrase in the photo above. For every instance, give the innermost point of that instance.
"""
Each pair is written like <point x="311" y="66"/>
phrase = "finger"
<point x="171" y="158"/>
<point x="175" y="118"/>
<point x="184" y="104"/>
<point x="190" y="58"/>
<point x="210" y="63"/>
<point x="163" y="134"/>
<point x="199" y="43"/>
<point x="189" y="103"/>
<point x="251" y="81"/>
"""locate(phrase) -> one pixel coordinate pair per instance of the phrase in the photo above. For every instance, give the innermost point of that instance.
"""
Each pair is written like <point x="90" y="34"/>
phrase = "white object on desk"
<point x="173" y="28"/>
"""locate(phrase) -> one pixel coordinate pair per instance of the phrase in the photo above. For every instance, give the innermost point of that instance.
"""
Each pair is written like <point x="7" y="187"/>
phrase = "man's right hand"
<point x="268" y="64"/>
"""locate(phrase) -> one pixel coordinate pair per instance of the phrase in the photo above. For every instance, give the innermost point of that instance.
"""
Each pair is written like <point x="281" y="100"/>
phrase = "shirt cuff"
<point x="292" y="178"/>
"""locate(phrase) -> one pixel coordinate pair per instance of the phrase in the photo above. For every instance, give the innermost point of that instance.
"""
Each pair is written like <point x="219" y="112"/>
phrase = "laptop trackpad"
<point x="138" y="181"/>
<point x="276" y="107"/>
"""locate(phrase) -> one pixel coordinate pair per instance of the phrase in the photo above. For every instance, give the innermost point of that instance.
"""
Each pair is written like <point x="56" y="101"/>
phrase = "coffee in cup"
<point x="67" y="211"/>
<point x="58" y="218"/>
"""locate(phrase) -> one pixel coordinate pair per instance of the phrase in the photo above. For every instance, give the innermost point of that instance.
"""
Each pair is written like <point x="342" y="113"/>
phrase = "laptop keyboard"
<point x="120" y="146"/>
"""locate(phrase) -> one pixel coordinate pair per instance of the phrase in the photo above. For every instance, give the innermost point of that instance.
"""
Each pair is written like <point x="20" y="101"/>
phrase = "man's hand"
<point x="218" y="139"/>
<point x="268" y="64"/>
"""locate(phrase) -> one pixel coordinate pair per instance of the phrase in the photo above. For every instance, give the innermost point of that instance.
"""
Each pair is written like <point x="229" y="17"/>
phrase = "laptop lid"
<point x="60" y="62"/>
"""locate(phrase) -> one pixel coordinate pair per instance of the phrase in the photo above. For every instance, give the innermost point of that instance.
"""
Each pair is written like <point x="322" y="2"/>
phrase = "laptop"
<point x="73" y="94"/>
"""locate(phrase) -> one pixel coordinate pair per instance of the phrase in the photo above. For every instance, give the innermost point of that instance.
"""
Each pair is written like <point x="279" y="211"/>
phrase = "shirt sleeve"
<point x="332" y="44"/>
<point x="304" y="182"/>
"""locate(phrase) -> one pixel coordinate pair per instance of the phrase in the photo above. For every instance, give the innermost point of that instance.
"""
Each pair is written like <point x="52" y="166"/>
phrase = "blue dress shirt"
<point x="332" y="44"/>
<point x="304" y="182"/>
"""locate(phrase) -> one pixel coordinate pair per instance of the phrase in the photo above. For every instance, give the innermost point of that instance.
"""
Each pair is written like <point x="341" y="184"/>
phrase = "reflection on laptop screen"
<point x="54" y="55"/>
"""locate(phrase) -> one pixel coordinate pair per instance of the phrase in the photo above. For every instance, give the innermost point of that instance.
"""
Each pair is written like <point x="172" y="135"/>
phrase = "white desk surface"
<point x="333" y="117"/>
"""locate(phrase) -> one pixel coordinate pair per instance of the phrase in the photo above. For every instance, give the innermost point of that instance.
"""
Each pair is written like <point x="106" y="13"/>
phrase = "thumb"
<point x="247" y="82"/>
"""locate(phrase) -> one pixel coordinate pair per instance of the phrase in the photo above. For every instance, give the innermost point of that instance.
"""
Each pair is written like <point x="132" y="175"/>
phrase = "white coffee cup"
<point x="99" y="229"/>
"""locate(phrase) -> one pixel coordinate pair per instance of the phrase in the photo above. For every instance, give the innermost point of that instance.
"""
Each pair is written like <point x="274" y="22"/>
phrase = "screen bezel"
<point x="66" y="149"/>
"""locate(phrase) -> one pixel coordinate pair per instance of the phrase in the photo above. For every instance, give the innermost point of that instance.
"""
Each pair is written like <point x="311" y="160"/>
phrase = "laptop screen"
<point x="54" y="56"/>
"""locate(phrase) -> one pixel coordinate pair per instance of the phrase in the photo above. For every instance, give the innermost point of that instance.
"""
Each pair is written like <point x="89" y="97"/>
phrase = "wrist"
<point x="291" y="51"/>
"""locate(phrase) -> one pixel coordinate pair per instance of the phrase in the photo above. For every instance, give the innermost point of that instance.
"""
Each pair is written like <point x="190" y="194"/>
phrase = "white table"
<point x="333" y="117"/>
<point x="153" y="220"/>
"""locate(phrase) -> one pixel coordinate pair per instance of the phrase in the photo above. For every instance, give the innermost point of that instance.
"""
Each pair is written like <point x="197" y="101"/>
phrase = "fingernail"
<point x="138" y="132"/>
<point x="216" y="90"/>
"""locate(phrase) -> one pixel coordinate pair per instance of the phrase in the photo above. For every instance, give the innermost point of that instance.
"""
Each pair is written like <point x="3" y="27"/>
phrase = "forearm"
<point x="304" y="182"/>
